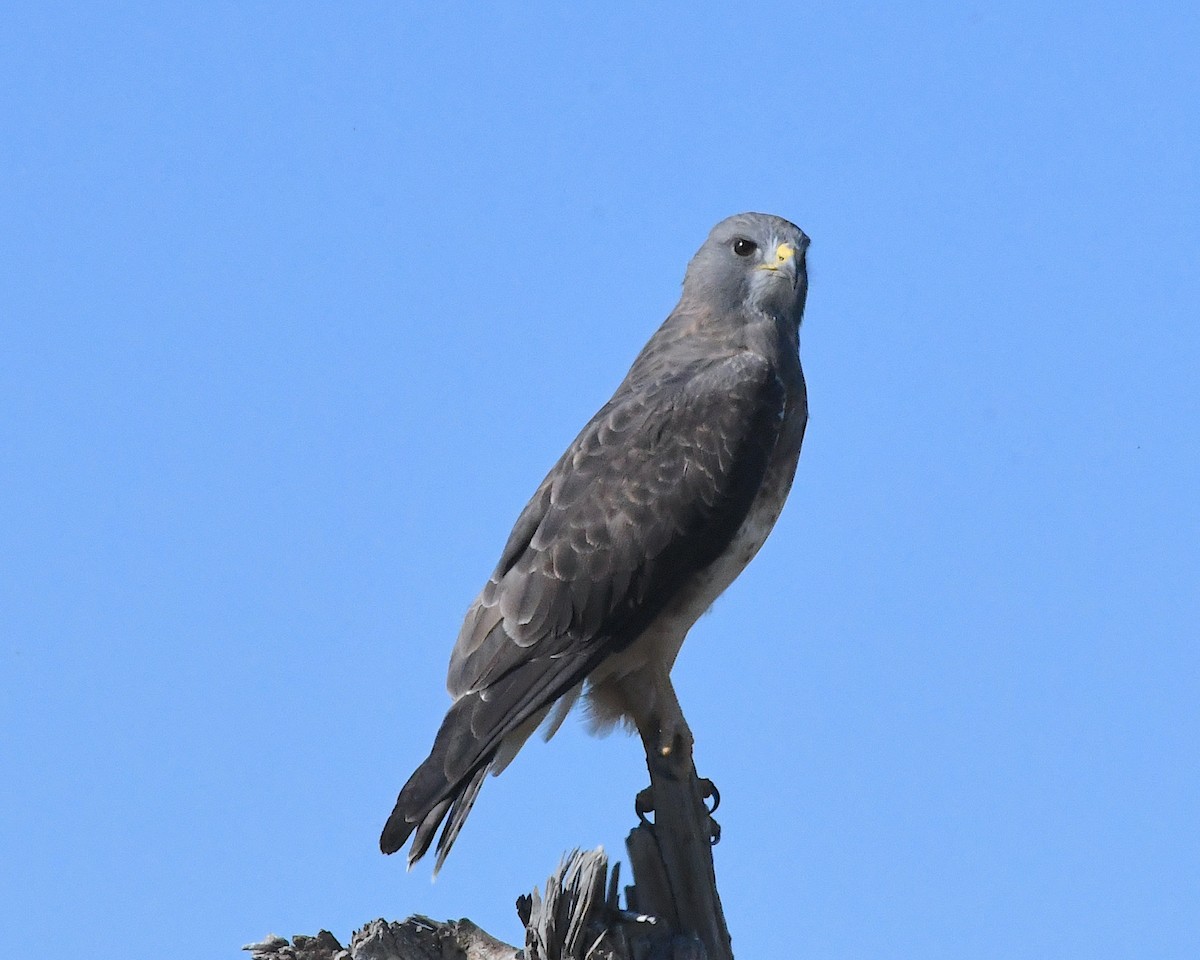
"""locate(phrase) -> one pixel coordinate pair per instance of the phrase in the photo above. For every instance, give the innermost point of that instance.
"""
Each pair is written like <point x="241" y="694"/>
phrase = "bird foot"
<point x="709" y="791"/>
<point x="643" y="805"/>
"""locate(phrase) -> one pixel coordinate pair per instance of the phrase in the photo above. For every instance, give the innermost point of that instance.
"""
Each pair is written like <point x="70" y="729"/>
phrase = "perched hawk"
<point x="653" y="510"/>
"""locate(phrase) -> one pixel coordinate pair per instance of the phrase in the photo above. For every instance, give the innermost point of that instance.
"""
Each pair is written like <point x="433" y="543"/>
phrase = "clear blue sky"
<point x="299" y="305"/>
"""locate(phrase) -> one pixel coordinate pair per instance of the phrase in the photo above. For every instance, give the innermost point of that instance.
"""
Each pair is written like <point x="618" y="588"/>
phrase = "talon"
<point x="643" y="804"/>
<point x="709" y="789"/>
<point x="714" y="832"/>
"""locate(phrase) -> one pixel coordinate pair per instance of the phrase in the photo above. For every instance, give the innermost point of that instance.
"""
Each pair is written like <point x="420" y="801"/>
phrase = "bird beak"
<point x="784" y="260"/>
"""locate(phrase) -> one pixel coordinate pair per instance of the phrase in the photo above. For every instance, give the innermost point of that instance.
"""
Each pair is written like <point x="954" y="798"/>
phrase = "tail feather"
<point x="422" y="819"/>
<point x="435" y="784"/>
<point x="473" y="733"/>
<point x="458" y="815"/>
<point x="425" y="831"/>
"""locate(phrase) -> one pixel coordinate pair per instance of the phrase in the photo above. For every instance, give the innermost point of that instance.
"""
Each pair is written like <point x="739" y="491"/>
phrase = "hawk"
<point x="659" y="503"/>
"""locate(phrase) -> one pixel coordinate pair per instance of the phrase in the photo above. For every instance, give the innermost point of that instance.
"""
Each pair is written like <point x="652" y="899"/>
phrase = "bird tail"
<point x="481" y="732"/>
<point x="421" y="820"/>
<point x="444" y="787"/>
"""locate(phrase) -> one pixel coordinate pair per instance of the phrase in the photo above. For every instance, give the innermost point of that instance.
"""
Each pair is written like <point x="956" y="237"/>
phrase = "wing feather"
<point x="649" y="494"/>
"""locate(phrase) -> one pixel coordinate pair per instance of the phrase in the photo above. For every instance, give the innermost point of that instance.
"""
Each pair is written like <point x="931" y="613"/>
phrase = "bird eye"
<point x="743" y="247"/>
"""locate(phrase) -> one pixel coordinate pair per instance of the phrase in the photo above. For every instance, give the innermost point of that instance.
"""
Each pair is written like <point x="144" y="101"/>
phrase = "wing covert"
<point x="650" y="492"/>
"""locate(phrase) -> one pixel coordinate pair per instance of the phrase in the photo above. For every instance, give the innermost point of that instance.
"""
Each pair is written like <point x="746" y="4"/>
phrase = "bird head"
<point x="755" y="261"/>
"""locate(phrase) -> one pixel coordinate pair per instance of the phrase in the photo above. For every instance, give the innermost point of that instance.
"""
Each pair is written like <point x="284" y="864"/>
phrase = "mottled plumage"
<point x="657" y="505"/>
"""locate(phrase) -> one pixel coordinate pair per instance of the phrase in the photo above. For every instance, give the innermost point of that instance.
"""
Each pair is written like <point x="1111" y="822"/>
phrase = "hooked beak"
<point x="784" y="261"/>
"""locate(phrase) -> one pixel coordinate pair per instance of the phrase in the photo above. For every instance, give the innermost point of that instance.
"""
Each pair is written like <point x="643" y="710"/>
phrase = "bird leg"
<point x="672" y="854"/>
<point x="668" y="741"/>
<point x="651" y="702"/>
<point x="643" y="804"/>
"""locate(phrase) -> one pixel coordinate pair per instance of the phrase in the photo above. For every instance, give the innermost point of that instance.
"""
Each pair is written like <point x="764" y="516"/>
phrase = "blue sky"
<point x="299" y="306"/>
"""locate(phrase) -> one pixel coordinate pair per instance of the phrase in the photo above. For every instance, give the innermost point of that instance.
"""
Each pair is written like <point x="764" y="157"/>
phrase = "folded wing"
<point x="650" y="493"/>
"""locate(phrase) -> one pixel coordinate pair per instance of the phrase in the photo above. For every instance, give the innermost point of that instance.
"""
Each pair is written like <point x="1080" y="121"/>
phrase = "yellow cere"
<point x="783" y="253"/>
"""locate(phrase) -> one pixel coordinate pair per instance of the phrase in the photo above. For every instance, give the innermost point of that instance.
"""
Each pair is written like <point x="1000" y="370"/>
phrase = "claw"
<point x="708" y="790"/>
<point x="643" y="804"/>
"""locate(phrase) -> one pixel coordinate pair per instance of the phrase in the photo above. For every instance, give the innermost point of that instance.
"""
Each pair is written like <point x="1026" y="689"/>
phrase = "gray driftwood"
<point x="672" y="909"/>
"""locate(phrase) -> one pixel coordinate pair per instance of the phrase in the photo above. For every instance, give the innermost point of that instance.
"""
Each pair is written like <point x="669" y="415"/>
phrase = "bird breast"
<point x="658" y="645"/>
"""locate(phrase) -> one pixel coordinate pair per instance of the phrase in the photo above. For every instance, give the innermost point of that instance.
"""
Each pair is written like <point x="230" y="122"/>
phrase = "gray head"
<point x="752" y="260"/>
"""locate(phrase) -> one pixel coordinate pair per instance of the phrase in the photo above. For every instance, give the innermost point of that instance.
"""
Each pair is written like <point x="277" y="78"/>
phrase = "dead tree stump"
<point x="672" y="909"/>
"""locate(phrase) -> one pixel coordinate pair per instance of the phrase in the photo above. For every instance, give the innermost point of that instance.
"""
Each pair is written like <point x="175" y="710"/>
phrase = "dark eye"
<point x="743" y="247"/>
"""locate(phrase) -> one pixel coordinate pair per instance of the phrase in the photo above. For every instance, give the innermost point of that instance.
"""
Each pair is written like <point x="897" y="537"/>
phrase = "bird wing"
<point x="651" y="492"/>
